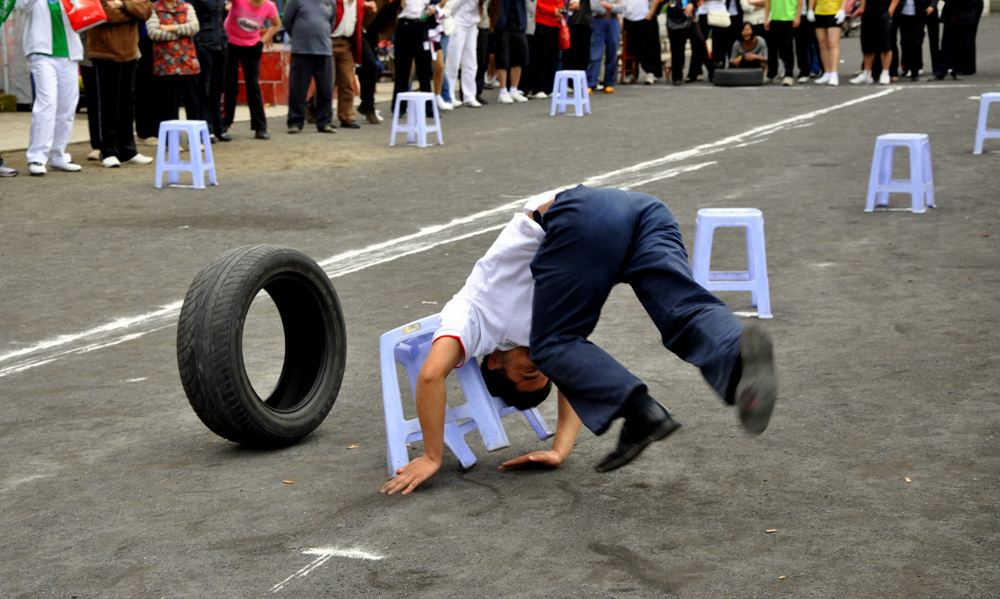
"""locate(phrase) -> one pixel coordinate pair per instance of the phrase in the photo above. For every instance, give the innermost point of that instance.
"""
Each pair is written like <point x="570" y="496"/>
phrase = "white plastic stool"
<point x="168" y="150"/>
<point x="415" y="127"/>
<point x="409" y="346"/>
<point x="982" y="132"/>
<point x="560" y="93"/>
<point x="754" y="279"/>
<point x="920" y="185"/>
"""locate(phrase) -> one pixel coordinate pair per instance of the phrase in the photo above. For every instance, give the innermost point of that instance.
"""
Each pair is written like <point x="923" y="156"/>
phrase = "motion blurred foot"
<point x="757" y="388"/>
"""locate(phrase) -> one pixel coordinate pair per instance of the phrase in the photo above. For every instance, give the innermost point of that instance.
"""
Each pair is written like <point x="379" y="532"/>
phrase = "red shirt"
<point x="545" y="12"/>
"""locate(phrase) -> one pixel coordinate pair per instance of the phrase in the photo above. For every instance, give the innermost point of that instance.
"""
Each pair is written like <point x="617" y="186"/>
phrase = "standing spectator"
<point x="909" y="21"/>
<point x="89" y="79"/>
<point x="969" y="67"/>
<point x="604" y="35"/>
<point x="210" y="43"/>
<point x="512" y="49"/>
<point x="483" y="36"/>
<point x="114" y="49"/>
<point x="53" y="50"/>
<point x="346" y="54"/>
<point x="581" y="20"/>
<point x="876" y="34"/>
<point x="309" y="23"/>
<point x="827" y="15"/>
<point x="6" y="171"/>
<point x="412" y="49"/>
<point x="682" y="28"/>
<point x="462" y="53"/>
<point x="247" y="40"/>
<point x="781" y="18"/>
<point x="175" y="60"/>
<point x="933" y="22"/>
<point x="145" y="100"/>
<point x="959" y="18"/>
<point x="436" y="38"/>
<point x="643" y="35"/>
<point x="368" y="70"/>
<point x="545" y="47"/>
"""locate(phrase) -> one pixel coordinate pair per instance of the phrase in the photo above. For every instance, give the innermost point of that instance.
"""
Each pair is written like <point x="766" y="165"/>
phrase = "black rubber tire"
<point x="210" y="346"/>
<point x="738" y="77"/>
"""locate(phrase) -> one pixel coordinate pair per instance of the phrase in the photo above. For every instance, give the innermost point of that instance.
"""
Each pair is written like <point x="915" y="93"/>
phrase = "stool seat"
<point x="982" y="133"/>
<point x="754" y="279"/>
<point x="415" y="127"/>
<point x="168" y="148"/>
<point x="580" y="100"/>
<point x="920" y="185"/>
<point x="409" y="345"/>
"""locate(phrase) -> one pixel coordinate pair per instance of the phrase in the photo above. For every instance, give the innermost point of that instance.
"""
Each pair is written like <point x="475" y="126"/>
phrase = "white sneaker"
<point x="883" y="79"/>
<point x="803" y="79"/>
<point x="6" y="171"/>
<point x="834" y="80"/>
<point x="787" y="82"/>
<point x="139" y="159"/>
<point x="68" y="167"/>
<point x="442" y="104"/>
<point x="473" y="103"/>
<point x="110" y="162"/>
<point x="505" y="98"/>
<point x="36" y="169"/>
<point x="865" y="78"/>
<point x="823" y="79"/>
<point x="541" y="96"/>
<point x="518" y="96"/>
<point x="650" y="79"/>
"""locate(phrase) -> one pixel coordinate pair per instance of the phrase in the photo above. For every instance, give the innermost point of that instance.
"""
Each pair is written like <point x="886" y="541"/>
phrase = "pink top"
<point x="244" y="21"/>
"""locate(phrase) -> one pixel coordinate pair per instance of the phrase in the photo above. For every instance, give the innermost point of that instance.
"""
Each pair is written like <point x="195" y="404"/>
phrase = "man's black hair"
<point x="500" y="386"/>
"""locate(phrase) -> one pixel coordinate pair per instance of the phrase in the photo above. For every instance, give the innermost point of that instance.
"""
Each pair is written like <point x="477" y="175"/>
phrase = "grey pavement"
<point x="877" y="478"/>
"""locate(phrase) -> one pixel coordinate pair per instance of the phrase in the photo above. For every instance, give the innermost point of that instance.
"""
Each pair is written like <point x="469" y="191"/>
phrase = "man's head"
<point x="512" y="376"/>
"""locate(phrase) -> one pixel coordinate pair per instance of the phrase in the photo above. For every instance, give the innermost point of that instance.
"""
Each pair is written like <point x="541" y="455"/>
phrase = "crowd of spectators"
<point x="147" y="56"/>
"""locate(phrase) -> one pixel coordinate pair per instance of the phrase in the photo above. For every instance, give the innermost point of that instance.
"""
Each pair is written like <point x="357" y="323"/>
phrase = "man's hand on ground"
<point x="545" y="458"/>
<point x="411" y="475"/>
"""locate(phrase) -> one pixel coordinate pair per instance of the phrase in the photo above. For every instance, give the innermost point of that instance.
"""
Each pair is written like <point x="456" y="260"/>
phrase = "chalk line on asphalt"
<point x="324" y="555"/>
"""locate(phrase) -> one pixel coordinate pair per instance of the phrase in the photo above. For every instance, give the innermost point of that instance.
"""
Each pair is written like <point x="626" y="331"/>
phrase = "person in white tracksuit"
<point x="462" y="49"/>
<point x="53" y="50"/>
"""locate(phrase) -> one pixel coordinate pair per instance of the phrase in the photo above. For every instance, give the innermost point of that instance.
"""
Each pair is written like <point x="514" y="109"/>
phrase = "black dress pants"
<point x="247" y="57"/>
<point x="781" y="35"/>
<point x="211" y="84"/>
<point x="303" y="69"/>
<point x="115" y="107"/>
<point x="409" y="45"/>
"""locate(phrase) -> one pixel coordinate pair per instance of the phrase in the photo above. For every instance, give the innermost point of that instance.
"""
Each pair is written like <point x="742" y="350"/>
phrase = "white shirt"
<point x="414" y="9"/>
<point x="465" y="12"/>
<point x="493" y="310"/>
<point x="636" y="10"/>
<point x="348" y="22"/>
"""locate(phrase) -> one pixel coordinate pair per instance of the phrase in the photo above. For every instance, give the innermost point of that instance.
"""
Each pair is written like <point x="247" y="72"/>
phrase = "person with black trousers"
<point x="959" y="18"/>
<point x="581" y="16"/>
<point x="682" y="27"/>
<point x="412" y="48"/>
<point x="210" y="43"/>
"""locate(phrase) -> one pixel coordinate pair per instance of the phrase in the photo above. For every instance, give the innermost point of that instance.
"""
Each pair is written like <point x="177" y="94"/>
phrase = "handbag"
<point x="84" y="14"/>
<point x="564" y="37"/>
<point x="719" y="18"/>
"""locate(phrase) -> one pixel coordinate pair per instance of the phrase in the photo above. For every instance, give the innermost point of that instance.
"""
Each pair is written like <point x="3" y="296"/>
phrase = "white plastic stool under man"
<point x="415" y="127"/>
<point x="560" y="93"/>
<point x="168" y="151"/>
<point x="754" y="279"/>
<point x="982" y="132"/>
<point x="409" y="346"/>
<point x="920" y="185"/>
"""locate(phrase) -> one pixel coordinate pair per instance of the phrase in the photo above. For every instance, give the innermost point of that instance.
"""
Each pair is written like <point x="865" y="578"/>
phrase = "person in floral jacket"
<point x="171" y="27"/>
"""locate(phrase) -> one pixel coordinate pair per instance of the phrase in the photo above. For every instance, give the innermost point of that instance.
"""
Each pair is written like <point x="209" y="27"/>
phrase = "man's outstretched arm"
<point x="432" y="400"/>
<point x="567" y="429"/>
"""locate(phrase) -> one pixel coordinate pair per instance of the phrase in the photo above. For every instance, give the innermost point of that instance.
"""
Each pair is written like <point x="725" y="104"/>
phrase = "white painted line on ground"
<point x="133" y="327"/>
<point x="325" y="554"/>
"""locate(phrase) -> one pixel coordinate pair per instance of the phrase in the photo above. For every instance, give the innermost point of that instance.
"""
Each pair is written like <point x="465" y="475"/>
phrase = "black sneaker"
<point x="262" y="135"/>
<point x="655" y="423"/>
<point x="757" y="389"/>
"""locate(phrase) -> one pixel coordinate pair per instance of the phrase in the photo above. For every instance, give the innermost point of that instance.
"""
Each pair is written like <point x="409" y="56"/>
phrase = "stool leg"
<point x="174" y="150"/>
<point x="395" y="123"/>
<point x="751" y="262"/>
<point x="761" y="293"/>
<point x="885" y="176"/>
<point x="197" y="165"/>
<point x="161" y="147"/>
<point x="928" y="175"/>
<point x="984" y="110"/>
<point x="702" y="253"/>
<point x="917" y="179"/>
<point x="873" y="177"/>
<point x="437" y="123"/>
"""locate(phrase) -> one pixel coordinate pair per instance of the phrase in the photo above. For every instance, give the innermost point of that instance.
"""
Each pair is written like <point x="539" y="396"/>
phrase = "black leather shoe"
<point x="757" y="388"/>
<point x="654" y="424"/>
<point x="481" y="100"/>
<point x="349" y="125"/>
<point x="262" y="135"/>
<point x="224" y="137"/>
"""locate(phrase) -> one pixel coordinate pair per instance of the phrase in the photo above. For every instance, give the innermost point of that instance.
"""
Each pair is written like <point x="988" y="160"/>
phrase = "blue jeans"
<point x="594" y="239"/>
<point x="604" y="36"/>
